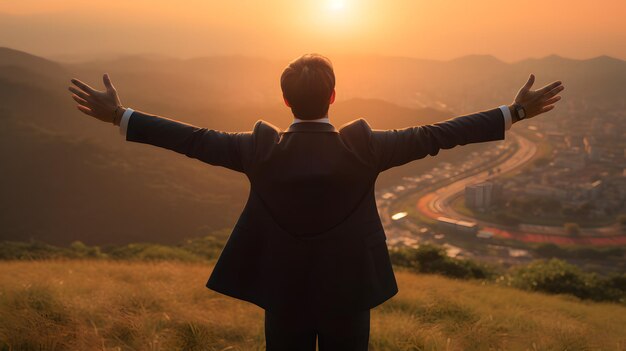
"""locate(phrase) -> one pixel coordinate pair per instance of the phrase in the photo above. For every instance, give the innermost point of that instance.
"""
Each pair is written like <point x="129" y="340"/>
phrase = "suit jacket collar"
<point x="321" y="119"/>
<point x="311" y="127"/>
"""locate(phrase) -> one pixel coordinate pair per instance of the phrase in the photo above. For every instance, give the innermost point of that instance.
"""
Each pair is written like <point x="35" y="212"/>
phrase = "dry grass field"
<point x="112" y="305"/>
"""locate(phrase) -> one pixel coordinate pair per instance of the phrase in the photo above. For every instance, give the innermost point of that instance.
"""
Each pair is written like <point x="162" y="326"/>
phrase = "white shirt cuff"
<point x="124" y="121"/>
<point x="506" y="113"/>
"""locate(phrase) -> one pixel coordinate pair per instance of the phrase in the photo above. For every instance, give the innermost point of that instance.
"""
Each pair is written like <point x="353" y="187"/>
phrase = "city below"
<point x="559" y="183"/>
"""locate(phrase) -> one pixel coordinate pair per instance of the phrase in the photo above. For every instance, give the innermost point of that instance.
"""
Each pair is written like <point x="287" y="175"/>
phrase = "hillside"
<point x="163" y="306"/>
<point x="68" y="177"/>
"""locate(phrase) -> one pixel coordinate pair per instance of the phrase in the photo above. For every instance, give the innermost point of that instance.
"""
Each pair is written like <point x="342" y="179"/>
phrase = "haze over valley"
<point x="69" y="178"/>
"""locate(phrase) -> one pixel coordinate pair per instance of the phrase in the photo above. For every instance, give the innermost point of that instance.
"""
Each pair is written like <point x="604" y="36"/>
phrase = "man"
<point x="309" y="247"/>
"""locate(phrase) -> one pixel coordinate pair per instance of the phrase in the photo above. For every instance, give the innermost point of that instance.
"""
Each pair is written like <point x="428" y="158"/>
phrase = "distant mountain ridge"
<point x="462" y="84"/>
<point x="466" y="83"/>
<point x="68" y="177"/>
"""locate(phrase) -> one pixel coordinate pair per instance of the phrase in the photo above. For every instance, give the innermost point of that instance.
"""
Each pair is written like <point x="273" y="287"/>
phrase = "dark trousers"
<point x="334" y="333"/>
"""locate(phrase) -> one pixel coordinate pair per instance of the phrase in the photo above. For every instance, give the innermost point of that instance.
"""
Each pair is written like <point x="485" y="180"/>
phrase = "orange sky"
<point x="436" y="29"/>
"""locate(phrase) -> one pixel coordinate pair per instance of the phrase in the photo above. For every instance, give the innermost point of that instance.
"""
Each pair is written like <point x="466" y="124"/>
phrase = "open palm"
<point x="536" y="102"/>
<point x="99" y="104"/>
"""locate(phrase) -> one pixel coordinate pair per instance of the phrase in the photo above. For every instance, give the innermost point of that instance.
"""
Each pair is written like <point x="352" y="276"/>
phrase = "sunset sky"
<point x="442" y="29"/>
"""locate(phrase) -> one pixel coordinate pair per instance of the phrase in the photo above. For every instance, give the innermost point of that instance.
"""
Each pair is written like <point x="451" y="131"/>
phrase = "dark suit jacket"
<point x="310" y="235"/>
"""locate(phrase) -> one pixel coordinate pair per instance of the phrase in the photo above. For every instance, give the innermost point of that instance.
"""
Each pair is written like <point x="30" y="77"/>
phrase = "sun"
<point x="336" y="20"/>
<point x="336" y="5"/>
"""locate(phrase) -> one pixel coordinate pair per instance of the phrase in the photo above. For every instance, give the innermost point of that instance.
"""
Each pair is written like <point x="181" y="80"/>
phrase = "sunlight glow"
<point x="336" y="5"/>
<point x="441" y="29"/>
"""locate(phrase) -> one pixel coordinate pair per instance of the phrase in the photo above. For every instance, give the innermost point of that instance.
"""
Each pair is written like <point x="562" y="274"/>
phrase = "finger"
<point x="529" y="83"/>
<point x="552" y="100"/>
<point x="107" y="82"/>
<point x="79" y="100"/>
<point x="79" y="93"/>
<point x="83" y="86"/>
<point x="549" y="87"/>
<point x="85" y="110"/>
<point x="553" y="92"/>
<point x="546" y="108"/>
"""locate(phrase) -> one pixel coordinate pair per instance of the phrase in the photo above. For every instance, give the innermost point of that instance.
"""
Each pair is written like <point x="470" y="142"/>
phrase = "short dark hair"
<point x="307" y="84"/>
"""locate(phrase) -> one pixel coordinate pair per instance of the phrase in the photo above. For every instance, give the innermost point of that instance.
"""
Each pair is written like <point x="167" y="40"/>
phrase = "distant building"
<point x="545" y="190"/>
<point x="620" y="185"/>
<point x="570" y="159"/>
<point x="596" y="125"/>
<point x="574" y="141"/>
<point x="610" y="129"/>
<point x="556" y="137"/>
<point x="481" y="195"/>
<point x="591" y="191"/>
<point x="445" y="223"/>
<point x="450" y="225"/>
<point x="591" y="148"/>
<point x="484" y="234"/>
<point x="466" y="226"/>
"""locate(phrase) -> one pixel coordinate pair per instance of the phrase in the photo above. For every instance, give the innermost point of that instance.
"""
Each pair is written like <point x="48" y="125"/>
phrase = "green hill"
<point x="121" y="305"/>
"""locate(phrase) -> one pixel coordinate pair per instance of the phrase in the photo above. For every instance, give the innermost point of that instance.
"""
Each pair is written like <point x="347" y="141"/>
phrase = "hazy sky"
<point x="436" y="29"/>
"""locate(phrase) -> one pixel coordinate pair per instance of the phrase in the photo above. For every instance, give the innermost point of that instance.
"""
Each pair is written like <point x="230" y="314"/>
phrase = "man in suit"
<point x="309" y="247"/>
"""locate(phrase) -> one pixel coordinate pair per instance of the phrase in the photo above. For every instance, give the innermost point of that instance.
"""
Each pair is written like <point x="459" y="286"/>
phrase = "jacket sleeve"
<point x="218" y="148"/>
<point x="396" y="147"/>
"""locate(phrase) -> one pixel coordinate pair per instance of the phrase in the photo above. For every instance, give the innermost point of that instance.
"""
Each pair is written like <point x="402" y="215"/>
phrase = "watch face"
<point x="521" y="113"/>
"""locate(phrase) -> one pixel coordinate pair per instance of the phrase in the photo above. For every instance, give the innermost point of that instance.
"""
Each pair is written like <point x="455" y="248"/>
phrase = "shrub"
<point x="428" y="258"/>
<point x="556" y="276"/>
<point x="80" y="250"/>
<point x="207" y="247"/>
<point x="31" y="250"/>
<point x="190" y="250"/>
<point x="152" y="252"/>
<point x="614" y="287"/>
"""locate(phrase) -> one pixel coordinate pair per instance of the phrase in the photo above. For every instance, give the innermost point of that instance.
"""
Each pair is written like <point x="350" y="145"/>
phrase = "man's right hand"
<point x="536" y="102"/>
<point x="103" y="105"/>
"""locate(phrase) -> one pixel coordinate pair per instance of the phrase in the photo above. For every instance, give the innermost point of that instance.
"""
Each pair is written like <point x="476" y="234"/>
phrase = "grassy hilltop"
<point x="121" y="305"/>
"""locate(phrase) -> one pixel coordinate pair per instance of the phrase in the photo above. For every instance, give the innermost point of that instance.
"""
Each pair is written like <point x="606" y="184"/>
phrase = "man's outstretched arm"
<point x="396" y="147"/>
<point x="211" y="146"/>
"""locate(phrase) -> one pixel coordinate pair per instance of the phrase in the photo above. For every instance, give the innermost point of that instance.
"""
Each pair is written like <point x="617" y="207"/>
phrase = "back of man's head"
<point x="308" y="83"/>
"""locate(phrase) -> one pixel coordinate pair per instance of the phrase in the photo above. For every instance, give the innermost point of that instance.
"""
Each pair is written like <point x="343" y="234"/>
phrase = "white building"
<point x="480" y="195"/>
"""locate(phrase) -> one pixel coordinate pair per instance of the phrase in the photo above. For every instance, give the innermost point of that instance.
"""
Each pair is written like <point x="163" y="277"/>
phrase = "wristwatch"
<point x="520" y="113"/>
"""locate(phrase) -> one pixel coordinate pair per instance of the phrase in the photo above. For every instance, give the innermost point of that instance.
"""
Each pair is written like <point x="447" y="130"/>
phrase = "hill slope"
<point x="68" y="177"/>
<point x="164" y="306"/>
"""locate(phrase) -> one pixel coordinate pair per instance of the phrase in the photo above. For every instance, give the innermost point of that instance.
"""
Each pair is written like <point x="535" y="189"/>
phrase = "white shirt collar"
<point x="322" y="120"/>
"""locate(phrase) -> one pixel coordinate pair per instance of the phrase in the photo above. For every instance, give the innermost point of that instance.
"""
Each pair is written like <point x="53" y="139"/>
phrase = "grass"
<point x="113" y="305"/>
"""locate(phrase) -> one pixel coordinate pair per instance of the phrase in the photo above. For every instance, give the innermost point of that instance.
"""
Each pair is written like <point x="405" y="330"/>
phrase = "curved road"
<point x="437" y="203"/>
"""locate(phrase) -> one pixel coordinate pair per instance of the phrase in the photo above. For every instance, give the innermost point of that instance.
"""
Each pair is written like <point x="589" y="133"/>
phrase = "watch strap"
<point x="517" y="108"/>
